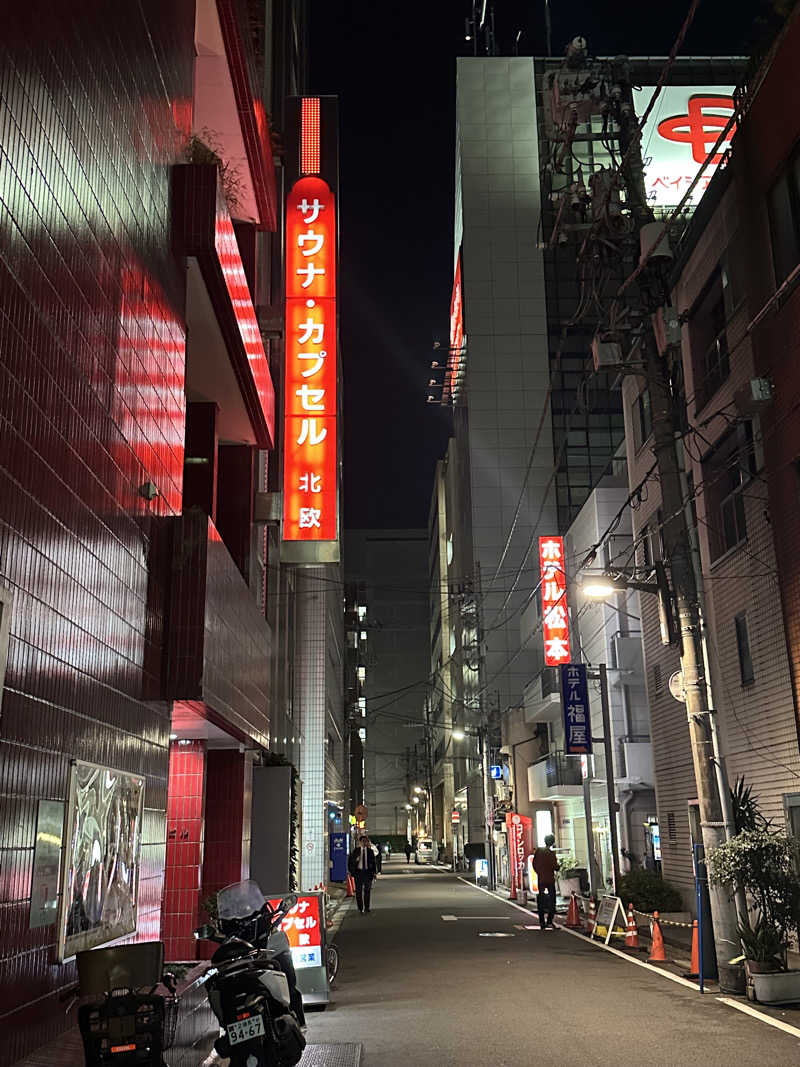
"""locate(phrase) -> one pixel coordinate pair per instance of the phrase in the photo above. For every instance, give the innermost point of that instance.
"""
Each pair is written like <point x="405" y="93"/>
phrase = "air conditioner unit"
<point x="605" y="354"/>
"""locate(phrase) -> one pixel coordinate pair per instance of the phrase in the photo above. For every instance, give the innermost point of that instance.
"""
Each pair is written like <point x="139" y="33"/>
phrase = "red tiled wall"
<point x="91" y="407"/>
<point x="179" y="915"/>
<point x="229" y="786"/>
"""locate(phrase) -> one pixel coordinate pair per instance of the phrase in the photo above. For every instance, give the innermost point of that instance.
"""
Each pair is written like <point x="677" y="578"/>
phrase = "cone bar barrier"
<point x="657" y="953"/>
<point x="592" y="914"/>
<point x="573" y="914"/>
<point x="632" y="935"/>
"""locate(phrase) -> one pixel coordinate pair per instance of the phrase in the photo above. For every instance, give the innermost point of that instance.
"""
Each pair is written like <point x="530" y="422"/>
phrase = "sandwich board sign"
<point x="607" y="912"/>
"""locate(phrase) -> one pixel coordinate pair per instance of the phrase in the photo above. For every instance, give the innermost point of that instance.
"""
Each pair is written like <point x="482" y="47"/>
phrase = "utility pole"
<point x="678" y="554"/>
<point x="611" y="792"/>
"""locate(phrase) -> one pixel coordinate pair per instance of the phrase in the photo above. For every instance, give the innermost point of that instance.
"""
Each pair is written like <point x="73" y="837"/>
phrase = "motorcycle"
<point x="251" y="985"/>
<point x="126" y="1022"/>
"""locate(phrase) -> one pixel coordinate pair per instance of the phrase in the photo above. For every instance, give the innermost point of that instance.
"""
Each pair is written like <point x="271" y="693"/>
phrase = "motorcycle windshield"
<point x="240" y="900"/>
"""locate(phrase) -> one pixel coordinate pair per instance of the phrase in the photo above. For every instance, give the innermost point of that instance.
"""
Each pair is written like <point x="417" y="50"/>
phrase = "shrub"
<point x="648" y="891"/>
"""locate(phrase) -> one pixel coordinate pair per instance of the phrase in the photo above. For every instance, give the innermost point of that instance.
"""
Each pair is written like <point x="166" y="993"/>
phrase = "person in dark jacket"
<point x="362" y="865"/>
<point x="409" y="850"/>
<point x="545" y="863"/>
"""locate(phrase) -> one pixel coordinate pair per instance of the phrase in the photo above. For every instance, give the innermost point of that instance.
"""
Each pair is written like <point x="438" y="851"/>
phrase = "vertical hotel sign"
<point x="555" y="621"/>
<point x="310" y="438"/>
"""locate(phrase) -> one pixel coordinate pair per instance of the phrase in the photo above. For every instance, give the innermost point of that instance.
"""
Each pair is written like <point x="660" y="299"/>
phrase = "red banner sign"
<point x="303" y="928"/>
<point x="520" y="832"/>
<point x="555" y="622"/>
<point x="310" y="400"/>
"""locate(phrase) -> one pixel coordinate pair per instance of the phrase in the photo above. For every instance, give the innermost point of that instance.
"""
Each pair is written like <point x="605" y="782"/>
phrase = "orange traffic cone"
<point x="592" y="914"/>
<point x="657" y="953"/>
<point x="573" y="914"/>
<point x="351" y="886"/>
<point x="632" y="935"/>
<point x="694" y="970"/>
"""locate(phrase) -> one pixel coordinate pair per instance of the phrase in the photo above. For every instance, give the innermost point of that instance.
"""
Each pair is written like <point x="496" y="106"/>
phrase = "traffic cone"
<point x="694" y="970"/>
<point x="657" y="953"/>
<point x="632" y="936"/>
<point x="590" y="925"/>
<point x="351" y="886"/>
<point x="573" y="914"/>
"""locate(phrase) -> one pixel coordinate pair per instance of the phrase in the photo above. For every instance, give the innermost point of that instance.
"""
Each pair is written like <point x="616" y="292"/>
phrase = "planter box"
<point x="566" y="886"/>
<point x="777" y="987"/>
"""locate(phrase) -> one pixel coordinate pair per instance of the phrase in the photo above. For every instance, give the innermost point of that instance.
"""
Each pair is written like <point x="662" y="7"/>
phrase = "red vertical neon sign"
<point x="555" y="622"/>
<point x="310" y="401"/>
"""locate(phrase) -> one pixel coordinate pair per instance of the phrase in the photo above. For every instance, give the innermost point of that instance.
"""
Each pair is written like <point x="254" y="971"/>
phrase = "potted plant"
<point x="764" y="863"/>
<point x="569" y="875"/>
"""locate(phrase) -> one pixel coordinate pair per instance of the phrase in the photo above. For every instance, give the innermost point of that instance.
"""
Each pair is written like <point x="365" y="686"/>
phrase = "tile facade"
<point x="92" y="407"/>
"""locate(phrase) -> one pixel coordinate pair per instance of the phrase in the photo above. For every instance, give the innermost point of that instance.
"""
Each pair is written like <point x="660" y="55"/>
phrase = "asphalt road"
<point x="416" y="989"/>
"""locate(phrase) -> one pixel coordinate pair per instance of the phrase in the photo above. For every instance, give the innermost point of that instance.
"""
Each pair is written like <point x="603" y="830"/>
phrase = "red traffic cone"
<point x="590" y="925"/>
<point x="694" y="970"/>
<point x="351" y="886"/>
<point x="657" y="953"/>
<point x="632" y="935"/>
<point x="573" y="914"/>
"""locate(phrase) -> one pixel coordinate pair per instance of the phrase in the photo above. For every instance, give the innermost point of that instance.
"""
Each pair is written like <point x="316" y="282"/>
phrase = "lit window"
<point x="363" y="635"/>
<point x="362" y="733"/>
<point x="362" y="612"/>
<point x="362" y="674"/>
<point x="452" y="642"/>
<point x="450" y="549"/>
<point x="362" y="703"/>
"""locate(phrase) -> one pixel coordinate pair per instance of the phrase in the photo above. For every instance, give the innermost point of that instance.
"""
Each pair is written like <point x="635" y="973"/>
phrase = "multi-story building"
<point x="575" y="788"/>
<point x="535" y="424"/>
<point x="387" y="636"/>
<point x="142" y="602"/>
<point x="733" y="287"/>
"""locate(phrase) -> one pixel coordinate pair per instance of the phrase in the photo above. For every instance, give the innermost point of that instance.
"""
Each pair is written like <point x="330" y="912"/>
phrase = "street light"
<point x="417" y="788"/>
<point x="457" y="735"/>
<point x="415" y="800"/>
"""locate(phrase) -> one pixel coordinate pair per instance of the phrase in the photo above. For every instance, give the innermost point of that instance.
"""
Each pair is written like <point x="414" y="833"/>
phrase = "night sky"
<point x="392" y="64"/>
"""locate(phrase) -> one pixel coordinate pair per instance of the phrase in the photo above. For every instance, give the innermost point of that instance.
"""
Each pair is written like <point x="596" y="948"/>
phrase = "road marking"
<point x="756" y="1014"/>
<point x="477" y="918"/>
<point x="496" y="935"/>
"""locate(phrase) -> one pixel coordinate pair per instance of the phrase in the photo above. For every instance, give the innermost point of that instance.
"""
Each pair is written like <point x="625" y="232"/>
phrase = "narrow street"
<point x="416" y="988"/>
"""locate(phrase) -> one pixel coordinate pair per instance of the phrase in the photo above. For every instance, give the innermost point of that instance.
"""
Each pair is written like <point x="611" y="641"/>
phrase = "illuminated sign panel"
<point x="310" y="400"/>
<point x="302" y="925"/>
<point x="555" y="622"/>
<point x="680" y="131"/>
<point x="456" y="354"/>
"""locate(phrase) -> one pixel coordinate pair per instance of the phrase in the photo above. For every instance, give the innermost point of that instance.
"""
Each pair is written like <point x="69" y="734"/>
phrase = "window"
<point x="708" y="339"/>
<point x="783" y="203"/>
<point x="641" y="418"/>
<point x="743" y="646"/>
<point x="726" y="472"/>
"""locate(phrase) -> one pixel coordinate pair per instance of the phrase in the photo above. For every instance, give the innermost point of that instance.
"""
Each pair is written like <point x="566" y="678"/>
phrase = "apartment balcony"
<point x="228" y="88"/>
<point x="226" y="363"/>
<point x="218" y="642"/>
<point x="542" y="697"/>
<point x="555" y="777"/>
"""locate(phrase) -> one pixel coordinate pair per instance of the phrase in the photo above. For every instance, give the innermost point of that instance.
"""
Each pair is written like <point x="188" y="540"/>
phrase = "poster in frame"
<point x="101" y="857"/>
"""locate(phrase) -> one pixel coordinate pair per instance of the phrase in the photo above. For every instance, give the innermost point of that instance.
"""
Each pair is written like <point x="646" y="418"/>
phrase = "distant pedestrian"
<point x="376" y="848"/>
<point x="408" y="851"/>
<point x="545" y="863"/>
<point x="362" y="866"/>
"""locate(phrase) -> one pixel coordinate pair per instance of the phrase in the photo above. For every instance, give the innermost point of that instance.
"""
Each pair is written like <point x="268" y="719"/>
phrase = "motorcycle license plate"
<point x="245" y="1029"/>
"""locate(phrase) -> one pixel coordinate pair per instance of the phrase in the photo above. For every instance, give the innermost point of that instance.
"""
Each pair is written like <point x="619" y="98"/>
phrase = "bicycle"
<point x="332" y="963"/>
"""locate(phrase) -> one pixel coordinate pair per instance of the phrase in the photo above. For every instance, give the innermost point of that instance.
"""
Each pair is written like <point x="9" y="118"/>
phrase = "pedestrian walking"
<point x="545" y="863"/>
<point x="362" y="866"/>
<point x="408" y="852"/>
